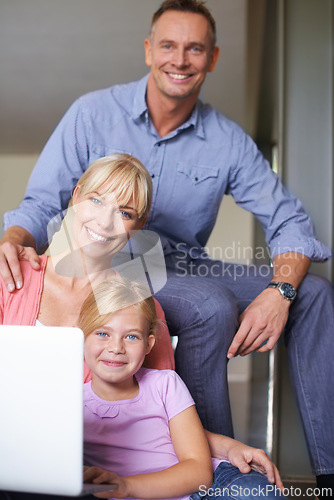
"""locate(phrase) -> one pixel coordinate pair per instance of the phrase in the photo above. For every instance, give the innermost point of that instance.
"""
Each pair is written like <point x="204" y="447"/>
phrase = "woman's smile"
<point x="97" y="237"/>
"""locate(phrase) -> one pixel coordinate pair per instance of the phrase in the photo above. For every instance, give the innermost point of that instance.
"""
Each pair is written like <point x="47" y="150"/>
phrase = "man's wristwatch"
<point x="286" y="289"/>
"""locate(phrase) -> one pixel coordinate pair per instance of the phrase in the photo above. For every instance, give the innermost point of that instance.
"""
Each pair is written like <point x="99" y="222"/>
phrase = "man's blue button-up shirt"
<point x="191" y="170"/>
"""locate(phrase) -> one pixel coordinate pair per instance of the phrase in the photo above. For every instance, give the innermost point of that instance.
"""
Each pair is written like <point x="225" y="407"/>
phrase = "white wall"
<point x="308" y="114"/>
<point x="15" y="171"/>
<point x="308" y="162"/>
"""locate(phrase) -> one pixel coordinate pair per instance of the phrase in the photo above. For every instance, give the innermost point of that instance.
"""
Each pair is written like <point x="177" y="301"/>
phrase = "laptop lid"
<point x="41" y="417"/>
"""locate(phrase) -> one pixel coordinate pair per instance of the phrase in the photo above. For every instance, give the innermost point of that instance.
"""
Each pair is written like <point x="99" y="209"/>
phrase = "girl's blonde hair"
<point x="124" y="176"/>
<point x="111" y="296"/>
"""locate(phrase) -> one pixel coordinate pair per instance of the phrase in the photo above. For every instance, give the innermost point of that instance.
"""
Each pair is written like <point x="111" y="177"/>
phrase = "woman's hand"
<point x="95" y="475"/>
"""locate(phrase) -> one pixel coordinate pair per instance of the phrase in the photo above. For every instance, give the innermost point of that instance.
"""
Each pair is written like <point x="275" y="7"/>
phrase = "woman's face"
<point x="101" y="225"/>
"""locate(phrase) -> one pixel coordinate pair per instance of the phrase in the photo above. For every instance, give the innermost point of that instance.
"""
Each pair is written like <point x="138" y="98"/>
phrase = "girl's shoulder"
<point x="160" y="381"/>
<point x="164" y="389"/>
<point x="152" y="374"/>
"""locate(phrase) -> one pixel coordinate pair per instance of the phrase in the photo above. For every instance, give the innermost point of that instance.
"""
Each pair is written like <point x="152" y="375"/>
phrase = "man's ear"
<point x="214" y="58"/>
<point x="148" y="51"/>
<point x="150" y="343"/>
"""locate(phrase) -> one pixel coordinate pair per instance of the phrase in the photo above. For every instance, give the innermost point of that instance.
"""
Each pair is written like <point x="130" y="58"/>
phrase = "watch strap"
<point x="282" y="287"/>
<point x="273" y="284"/>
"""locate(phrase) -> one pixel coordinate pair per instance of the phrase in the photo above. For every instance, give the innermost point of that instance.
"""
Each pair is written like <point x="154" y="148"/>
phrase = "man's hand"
<point x="262" y="321"/>
<point x="95" y="475"/>
<point x="17" y="244"/>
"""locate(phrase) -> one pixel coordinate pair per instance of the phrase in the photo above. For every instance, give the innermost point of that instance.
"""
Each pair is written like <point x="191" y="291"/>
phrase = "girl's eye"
<point x="132" y="337"/>
<point x="101" y="334"/>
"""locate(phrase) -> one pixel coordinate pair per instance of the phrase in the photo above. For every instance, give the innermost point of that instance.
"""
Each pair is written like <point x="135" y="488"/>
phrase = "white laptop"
<point x="41" y="411"/>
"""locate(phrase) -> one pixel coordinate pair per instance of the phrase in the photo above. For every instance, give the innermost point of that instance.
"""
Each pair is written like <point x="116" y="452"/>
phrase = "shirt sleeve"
<point x="176" y="397"/>
<point x="256" y="188"/>
<point x="60" y="165"/>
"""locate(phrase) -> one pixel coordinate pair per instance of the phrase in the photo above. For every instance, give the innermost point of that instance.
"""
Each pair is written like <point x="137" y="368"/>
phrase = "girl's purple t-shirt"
<point x="132" y="436"/>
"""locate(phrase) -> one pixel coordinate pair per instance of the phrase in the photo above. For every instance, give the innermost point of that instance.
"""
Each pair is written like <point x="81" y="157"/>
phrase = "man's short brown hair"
<point x="194" y="6"/>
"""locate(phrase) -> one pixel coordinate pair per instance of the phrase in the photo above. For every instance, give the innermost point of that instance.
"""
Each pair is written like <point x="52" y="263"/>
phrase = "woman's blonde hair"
<point x="111" y="296"/>
<point x="124" y="176"/>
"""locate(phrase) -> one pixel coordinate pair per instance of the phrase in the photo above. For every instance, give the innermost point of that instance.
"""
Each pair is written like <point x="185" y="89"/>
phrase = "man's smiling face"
<point x="180" y="53"/>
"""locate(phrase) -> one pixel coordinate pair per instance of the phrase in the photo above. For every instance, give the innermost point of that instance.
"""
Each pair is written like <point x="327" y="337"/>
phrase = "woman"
<point x="111" y="200"/>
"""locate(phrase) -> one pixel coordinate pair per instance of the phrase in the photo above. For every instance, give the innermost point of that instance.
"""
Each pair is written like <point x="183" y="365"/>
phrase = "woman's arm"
<point x="244" y="457"/>
<point x="193" y="470"/>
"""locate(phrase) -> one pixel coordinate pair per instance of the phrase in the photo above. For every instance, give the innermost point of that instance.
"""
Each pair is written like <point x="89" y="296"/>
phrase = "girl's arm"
<point x="193" y="470"/>
<point x="244" y="457"/>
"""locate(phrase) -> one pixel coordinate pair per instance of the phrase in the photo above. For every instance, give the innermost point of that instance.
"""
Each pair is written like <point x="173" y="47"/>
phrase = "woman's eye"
<point x="126" y="215"/>
<point x="95" y="201"/>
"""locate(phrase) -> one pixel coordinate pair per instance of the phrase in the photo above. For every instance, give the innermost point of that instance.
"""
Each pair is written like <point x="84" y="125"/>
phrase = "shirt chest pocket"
<point x="196" y="187"/>
<point x="196" y="173"/>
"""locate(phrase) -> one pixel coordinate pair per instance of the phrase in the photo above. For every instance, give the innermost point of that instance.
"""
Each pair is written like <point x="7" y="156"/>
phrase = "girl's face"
<point x="116" y="351"/>
<point x="101" y="225"/>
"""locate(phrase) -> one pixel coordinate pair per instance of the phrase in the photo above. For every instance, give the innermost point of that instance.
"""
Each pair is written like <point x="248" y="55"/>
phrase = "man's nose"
<point x="181" y="57"/>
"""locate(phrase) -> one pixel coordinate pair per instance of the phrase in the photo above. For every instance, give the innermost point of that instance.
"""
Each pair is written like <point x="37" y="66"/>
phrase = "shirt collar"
<point x="139" y="103"/>
<point x="195" y="120"/>
<point x="140" y="107"/>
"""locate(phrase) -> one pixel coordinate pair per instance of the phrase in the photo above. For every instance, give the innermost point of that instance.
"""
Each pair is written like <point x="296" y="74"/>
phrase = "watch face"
<point x="288" y="290"/>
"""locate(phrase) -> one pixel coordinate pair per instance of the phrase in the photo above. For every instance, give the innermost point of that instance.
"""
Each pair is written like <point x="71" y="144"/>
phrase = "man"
<point x="195" y="156"/>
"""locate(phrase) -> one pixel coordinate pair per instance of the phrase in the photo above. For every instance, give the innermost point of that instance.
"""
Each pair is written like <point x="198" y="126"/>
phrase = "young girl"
<point x="142" y="432"/>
